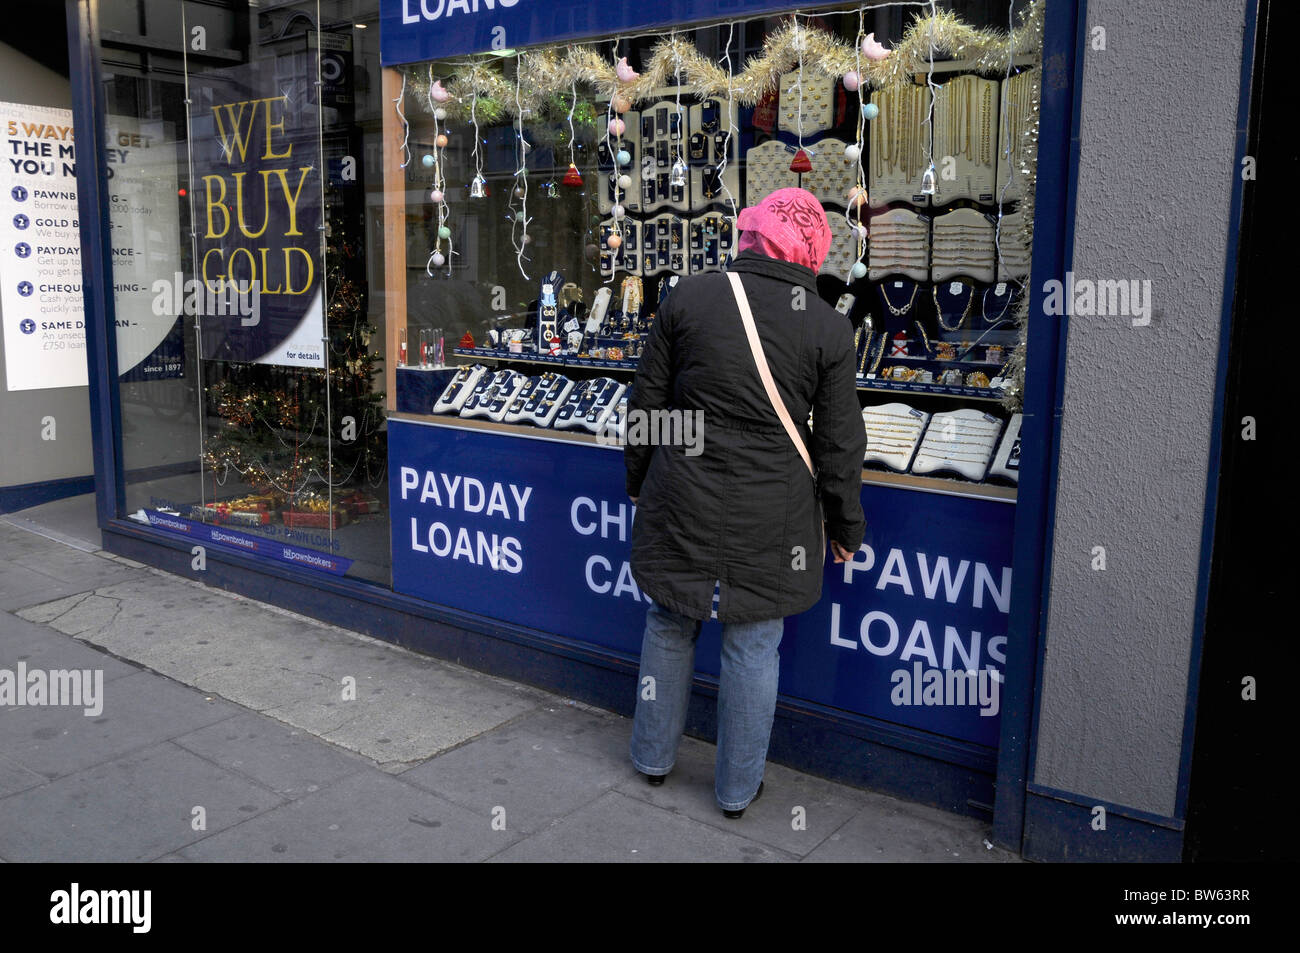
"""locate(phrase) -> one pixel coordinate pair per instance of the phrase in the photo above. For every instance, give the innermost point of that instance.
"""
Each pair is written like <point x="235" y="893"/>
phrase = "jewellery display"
<point x="1014" y="261"/>
<point x="767" y="168"/>
<point x="711" y="153"/>
<point x="899" y="145"/>
<point x="458" y="391"/>
<point x="1003" y="298"/>
<point x="954" y="289"/>
<point x="833" y="173"/>
<point x="942" y="449"/>
<point x="1006" y="463"/>
<point x="899" y="309"/>
<point x="893" y="431"/>
<point x="667" y="180"/>
<point x="807" y="103"/>
<point x="588" y="404"/>
<point x="491" y="396"/>
<point x="1016" y="133"/>
<point x="962" y="244"/>
<point x="899" y="243"/>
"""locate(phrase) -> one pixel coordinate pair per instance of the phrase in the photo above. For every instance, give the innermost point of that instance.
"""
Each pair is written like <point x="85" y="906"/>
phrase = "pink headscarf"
<point x="790" y="224"/>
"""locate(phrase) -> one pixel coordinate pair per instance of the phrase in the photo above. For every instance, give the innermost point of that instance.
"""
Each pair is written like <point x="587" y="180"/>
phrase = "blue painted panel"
<point x="414" y="30"/>
<point x="536" y="533"/>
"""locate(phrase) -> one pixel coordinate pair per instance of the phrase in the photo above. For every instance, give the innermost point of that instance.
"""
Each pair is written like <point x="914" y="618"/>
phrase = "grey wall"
<point x="1155" y="180"/>
<point x="25" y="457"/>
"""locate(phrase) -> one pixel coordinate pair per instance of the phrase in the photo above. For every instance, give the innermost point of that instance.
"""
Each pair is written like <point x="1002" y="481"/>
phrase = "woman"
<point x="741" y="513"/>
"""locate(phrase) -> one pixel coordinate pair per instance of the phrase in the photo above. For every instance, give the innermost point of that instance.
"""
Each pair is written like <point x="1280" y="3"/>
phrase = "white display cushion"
<point x="960" y="441"/>
<point x="457" y="391"/>
<point x="893" y="432"/>
<point x="767" y="168"/>
<point x="1007" y="462"/>
<point x="807" y="104"/>
<point x="588" y="404"/>
<point x="492" y="397"/>
<point x="548" y="399"/>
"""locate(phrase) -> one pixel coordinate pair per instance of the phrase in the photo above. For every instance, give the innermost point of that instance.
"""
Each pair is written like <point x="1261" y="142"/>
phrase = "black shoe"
<point x="654" y="779"/>
<point x="740" y="813"/>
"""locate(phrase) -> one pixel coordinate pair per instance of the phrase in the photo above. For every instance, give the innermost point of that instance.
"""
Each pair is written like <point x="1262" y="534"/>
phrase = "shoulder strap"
<point x="764" y="372"/>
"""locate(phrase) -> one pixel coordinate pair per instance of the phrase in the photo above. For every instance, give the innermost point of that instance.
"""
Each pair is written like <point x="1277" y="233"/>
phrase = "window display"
<point x="564" y="191"/>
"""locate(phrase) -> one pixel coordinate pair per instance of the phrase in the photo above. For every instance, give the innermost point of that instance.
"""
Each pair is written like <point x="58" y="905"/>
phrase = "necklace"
<point x="890" y="305"/>
<point x="984" y="307"/>
<point x="970" y="301"/>
<point x="986" y="133"/>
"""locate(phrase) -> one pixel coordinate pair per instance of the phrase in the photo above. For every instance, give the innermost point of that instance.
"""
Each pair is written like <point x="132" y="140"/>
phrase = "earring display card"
<point x="767" y="168"/>
<point x="664" y="135"/>
<point x="962" y="243"/>
<point x="1015" y="128"/>
<point x="899" y="140"/>
<point x="807" y="104"/>
<point x="712" y="240"/>
<point x="1007" y="462"/>
<point x="588" y="404"/>
<point x="893" y="432"/>
<point x="833" y="173"/>
<point x="663" y="244"/>
<point x="458" y="391"/>
<point x="965" y="130"/>
<point x="711" y="154"/>
<point x="627" y="257"/>
<point x="609" y="195"/>
<point x="961" y="441"/>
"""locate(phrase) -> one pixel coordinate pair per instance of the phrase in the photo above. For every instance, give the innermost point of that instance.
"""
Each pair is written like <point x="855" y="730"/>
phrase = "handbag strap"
<point x="765" y="372"/>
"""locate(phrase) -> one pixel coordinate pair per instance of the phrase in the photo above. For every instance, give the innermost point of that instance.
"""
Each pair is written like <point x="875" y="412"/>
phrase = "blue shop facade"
<point x="366" y="284"/>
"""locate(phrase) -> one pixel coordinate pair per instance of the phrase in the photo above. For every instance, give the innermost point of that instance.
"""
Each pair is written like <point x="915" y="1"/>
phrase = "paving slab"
<point x="795" y="813"/>
<point x="134" y="808"/>
<point x="620" y="829"/>
<point x="139" y="710"/>
<point x="889" y="830"/>
<point x="367" y="817"/>
<point x="290" y="762"/>
<point x="531" y="776"/>
<point x="35" y="645"/>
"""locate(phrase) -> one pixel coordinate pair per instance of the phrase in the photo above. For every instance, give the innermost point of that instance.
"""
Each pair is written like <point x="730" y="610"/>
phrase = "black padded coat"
<point x="742" y="510"/>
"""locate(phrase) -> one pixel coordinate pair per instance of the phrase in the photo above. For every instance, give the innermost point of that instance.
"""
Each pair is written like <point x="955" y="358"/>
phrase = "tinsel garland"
<point x="549" y="71"/>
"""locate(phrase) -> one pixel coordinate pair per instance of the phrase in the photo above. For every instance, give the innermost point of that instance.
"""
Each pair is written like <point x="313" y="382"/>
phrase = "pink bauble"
<point x="436" y="196"/>
<point x="852" y="80"/>
<point x="617" y="126"/>
<point x="613" y="241"/>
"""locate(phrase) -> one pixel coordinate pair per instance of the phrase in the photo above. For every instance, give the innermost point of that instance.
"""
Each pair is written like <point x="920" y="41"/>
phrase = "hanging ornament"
<point x="624" y="157"/>
<point x="801" y="163"/>
<point x="852" y="151"/>
<point x="614" y="241"/>
<point x="625" y="72"/>
<point x="591" y="251"/>
<point x="551" y="190"/>
<point x="873" y="50"/>
<point x="928" y="181"/>
<point x="478" y="187"/>
<point x="520" y="191"/>
<point x="438" y="259"/>
<point x="870" y="110"/>
<point x="620" y="103"/>
<point x="860" y="231"/>
<point x="573" y="178"/>
<point x="440" y="114"/>
<point x="857" y="196"/>
<point x="441" y="140"/>
<point x="617" y="127"/>
<point x="438" y="92"/>
<point x="852" y="80"/>
<point x="625" y="182"/>
<point x="436" y="197"/>
<point x="427" y="161"/>
<point x="858" y="270"/>
<point x="677" y="179"/>
<point x="619" y="211"/>
<point x="444" y="232"/>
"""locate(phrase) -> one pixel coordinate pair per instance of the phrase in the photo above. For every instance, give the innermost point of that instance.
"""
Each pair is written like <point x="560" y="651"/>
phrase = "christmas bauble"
<point x="444" y="232"/>
<point x="436" y="196"/>
<point x="852" y="80"/>
<point x="859" y="270"/>
<point x="625" y="182"/>
<point x="440" y="114"/>
<point x="438" y="259"/>
<point x="851" y="152"/>
<point x="441" y="141"/>
<point x="870" y="110"/>
<point x="427" y="161"/>
<point x="617" y="127"/>
<point x="613" y="241"/>
<point x="619" y="211"/>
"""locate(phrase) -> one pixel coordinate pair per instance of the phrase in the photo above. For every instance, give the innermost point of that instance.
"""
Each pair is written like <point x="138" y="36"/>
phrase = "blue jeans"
<point x="746" y="699"/>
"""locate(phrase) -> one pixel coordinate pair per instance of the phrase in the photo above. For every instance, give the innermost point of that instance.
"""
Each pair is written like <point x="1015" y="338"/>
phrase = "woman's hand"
<point x="841" y="554"/>
<point x="633" y="499"/>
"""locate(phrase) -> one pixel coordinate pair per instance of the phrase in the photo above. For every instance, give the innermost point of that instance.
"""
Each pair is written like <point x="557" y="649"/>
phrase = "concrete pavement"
<point x="235" y="731"/>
